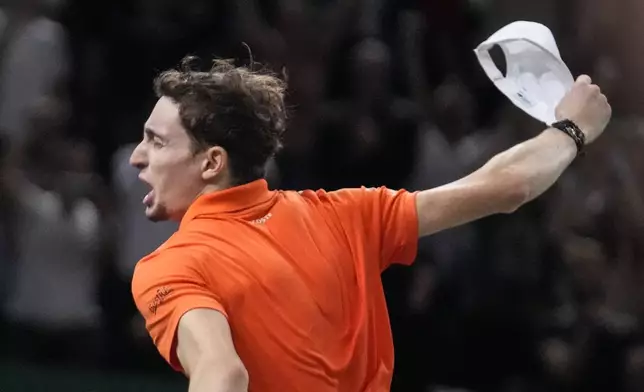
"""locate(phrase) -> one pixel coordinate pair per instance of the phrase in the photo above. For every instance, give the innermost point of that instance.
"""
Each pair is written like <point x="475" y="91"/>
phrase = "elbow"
<point x="236" y="378"/>
<point x="231" y="376"/>
<point x="239" y="377"/>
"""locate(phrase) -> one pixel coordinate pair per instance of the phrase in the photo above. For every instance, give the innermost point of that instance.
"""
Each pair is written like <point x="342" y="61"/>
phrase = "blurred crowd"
<point x="382" y="92"/>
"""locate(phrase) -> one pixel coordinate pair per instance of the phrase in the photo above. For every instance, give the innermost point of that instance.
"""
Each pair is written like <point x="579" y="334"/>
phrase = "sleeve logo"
<point x="159" y="298"/>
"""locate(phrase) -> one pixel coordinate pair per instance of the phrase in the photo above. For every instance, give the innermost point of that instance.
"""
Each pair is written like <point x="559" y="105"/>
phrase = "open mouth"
<point x="148" y="199"/>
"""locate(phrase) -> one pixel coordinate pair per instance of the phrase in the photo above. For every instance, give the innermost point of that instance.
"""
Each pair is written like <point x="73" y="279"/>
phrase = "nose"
<point x="138" y="158"/>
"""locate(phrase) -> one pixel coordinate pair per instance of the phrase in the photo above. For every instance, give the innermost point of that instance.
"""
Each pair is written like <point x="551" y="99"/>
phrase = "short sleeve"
<point x="165" y="286"/>
<point x="385" y="218"/>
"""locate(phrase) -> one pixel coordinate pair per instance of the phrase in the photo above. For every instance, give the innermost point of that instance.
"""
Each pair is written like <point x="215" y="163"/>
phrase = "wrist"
<point x="570" y="129"/>
<point x="561" y="141"/>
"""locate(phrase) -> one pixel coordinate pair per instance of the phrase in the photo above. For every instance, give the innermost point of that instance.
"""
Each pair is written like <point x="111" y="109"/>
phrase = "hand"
<point x="587" y="107"/>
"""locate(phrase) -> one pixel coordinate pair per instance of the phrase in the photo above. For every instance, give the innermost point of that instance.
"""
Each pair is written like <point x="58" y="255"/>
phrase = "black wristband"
<point x="571" y="129"/>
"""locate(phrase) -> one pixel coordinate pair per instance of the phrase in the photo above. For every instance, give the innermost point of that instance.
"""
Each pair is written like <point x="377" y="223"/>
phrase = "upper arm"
<point x="204" y="338"/>
<point x="381" y="219"/>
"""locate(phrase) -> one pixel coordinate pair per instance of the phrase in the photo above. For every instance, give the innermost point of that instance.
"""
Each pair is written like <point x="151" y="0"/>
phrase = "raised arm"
<point x="520" y="174"/>
<point x="206" y="352"/>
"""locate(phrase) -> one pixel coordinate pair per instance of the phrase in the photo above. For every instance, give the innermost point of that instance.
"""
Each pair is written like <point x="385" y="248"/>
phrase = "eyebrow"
<point x="151" y="134"/>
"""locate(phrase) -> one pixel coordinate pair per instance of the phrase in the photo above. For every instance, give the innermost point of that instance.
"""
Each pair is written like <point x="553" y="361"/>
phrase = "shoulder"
<point x="354" y="199"/>
<point x="351" y="204"/>
<point x="181" y="254"/>
<point x="324" y="196"/>
<point x="175" y="271"/>
<point x="190" y="250"/>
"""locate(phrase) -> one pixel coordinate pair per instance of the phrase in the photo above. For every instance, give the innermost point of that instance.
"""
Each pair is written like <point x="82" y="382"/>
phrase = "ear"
<point x="215" y="162"/>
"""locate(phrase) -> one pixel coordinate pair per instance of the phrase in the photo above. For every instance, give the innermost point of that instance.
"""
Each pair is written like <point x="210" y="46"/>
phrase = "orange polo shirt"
<point x="297" y="275"/>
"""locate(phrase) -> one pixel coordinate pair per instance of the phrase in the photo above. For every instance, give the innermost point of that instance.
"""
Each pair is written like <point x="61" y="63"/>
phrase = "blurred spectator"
<point x="34" y="61"/>
<point x="53" y="306"/>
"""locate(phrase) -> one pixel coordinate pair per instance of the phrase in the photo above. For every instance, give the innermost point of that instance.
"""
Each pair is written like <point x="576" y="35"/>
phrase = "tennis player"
<point x="263" y="290"/>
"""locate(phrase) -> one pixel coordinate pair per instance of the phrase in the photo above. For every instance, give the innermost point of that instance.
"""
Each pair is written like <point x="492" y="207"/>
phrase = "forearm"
<point x="534" y="166"/>
<point x="502" y="185"/>
<point x="215" y="377"/>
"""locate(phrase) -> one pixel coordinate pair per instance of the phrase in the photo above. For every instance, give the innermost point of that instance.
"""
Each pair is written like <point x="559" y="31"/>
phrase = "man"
<point x="280" y="291"/>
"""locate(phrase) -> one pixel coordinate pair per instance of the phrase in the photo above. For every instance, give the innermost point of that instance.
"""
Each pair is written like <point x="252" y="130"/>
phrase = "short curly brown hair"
<point x="239" y="109"/>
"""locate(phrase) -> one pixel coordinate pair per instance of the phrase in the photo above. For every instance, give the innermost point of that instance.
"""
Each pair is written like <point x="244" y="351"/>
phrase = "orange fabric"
<point x="296" y="274"/>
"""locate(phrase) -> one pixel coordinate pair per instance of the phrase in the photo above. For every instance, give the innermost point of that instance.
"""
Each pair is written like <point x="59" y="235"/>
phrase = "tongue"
<point x="149" y="198"/>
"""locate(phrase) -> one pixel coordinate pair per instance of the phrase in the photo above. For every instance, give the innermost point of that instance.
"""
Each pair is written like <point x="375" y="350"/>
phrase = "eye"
<point x="151" y="138"/>
<point x="157" y="143"/>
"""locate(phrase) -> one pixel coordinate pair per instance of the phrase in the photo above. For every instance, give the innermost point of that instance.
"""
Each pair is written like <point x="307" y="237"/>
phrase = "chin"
<point x="155" y="214"/>
<point x="155" y="218"/>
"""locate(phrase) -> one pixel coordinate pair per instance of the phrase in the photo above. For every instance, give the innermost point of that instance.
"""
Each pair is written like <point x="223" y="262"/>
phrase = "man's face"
<point x="168" y="164"/>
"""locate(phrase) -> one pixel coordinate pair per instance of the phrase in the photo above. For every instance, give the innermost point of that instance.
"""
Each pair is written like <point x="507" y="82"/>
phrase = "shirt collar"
<point x="230" y="200"/>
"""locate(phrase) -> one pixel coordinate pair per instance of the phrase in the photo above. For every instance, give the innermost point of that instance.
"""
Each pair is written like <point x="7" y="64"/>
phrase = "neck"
<point x="210" y="188"/>
<point x="221" y="184"/>
<point x="207" y="189"/>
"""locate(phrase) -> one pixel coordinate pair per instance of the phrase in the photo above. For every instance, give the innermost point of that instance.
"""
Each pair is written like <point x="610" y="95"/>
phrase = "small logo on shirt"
<point x="159" y="298"/>
<point x="263" y="219"/>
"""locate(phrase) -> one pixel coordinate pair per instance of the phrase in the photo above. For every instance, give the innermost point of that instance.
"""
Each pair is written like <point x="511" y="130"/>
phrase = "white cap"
<point x="537" y="78"/>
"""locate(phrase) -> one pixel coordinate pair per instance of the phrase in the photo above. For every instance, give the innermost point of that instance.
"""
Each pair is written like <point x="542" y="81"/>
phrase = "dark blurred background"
<point x="383" y="92"/>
